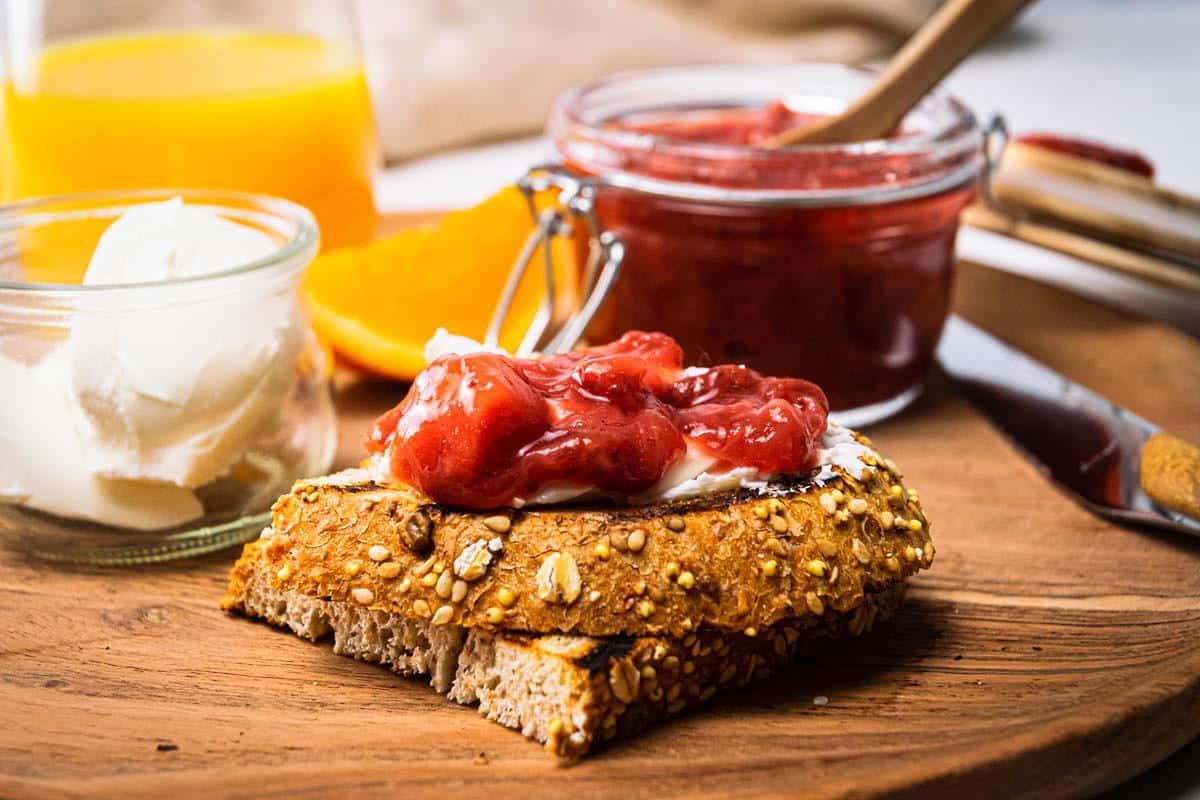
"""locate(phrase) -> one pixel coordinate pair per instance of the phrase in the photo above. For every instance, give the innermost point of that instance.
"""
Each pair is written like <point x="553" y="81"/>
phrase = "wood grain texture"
<point x="1047" y="653"/>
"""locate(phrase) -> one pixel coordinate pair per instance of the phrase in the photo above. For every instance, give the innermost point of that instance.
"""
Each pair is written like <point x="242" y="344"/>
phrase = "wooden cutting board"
<point x="1047" y="654"/>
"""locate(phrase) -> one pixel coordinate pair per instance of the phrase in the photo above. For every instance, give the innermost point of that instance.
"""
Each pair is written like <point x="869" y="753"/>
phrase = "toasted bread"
<point x="734" y="561"/>
<point x="569" y="692"/>
<point x="575" y="624"/>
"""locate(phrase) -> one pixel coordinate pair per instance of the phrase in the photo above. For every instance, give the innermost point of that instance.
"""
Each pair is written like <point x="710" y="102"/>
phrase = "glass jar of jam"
<point x="829" y="263"/>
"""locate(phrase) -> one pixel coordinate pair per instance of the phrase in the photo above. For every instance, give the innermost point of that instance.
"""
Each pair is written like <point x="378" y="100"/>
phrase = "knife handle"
<point x="1170" y="473"/>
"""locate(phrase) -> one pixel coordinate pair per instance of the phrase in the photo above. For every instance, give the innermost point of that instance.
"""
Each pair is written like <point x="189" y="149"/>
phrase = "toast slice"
<point x="576" y="624"/>
<point x="739" y="560"/>
<point x="568" y="692"/>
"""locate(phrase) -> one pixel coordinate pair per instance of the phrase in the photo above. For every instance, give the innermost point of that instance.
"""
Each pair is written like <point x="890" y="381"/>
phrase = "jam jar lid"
<point x="938" y="147"/>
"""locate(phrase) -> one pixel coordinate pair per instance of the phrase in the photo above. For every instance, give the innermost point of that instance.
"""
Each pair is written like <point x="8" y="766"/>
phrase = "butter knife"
<point x="1112" y="461"/>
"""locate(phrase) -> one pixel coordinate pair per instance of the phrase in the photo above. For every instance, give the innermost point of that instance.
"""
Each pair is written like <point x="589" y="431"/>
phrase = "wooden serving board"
<point x="1047" y="654"/>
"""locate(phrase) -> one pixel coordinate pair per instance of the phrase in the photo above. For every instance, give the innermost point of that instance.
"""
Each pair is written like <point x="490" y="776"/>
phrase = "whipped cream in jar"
<point x="161" y="385"/>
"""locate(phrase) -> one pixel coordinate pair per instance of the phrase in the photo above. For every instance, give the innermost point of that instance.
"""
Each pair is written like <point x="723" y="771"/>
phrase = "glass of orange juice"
<point x="265" y="97"/>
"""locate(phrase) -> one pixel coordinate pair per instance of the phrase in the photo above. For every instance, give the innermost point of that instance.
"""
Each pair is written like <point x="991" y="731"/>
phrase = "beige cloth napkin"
<point x="451" y="72"/>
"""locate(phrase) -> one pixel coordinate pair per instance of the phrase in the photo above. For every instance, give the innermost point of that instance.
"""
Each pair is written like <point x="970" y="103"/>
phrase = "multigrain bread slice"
<point x="575" y="624"/>
<point x="808" y="547"/>
<point x="568" y="692"/>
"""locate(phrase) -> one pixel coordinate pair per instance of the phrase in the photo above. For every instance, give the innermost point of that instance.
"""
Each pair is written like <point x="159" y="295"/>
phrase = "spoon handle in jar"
<point x="949" y="36"/>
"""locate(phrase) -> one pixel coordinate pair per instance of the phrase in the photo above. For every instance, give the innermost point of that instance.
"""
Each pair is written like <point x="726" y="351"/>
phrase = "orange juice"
<point x="275" y="113"/>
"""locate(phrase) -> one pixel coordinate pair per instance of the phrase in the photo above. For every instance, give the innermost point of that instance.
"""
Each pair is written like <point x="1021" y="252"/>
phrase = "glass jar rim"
<point x="958" y="134"/>
<point x="300" y="244"/>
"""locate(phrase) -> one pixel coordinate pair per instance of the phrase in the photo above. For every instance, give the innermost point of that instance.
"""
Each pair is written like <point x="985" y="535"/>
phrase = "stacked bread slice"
<point x="578" y="624"/>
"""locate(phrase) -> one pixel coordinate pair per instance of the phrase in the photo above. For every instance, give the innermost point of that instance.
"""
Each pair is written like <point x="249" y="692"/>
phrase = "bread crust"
<point x="734" y="562"/>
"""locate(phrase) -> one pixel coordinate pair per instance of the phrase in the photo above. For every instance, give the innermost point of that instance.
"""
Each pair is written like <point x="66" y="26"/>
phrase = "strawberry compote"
<point x="485" y="430"/>
<point x="830" y="262"/>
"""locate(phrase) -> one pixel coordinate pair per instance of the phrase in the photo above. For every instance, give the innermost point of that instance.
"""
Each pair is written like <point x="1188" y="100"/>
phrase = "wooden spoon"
<point x="949" y="36"/>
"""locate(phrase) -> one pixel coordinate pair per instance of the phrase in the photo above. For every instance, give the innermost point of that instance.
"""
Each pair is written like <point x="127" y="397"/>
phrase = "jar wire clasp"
<point x="995" y="140"/>
<point x="575" y="205"/>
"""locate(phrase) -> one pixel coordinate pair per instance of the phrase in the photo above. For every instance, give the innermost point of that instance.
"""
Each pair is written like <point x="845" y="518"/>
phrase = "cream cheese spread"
<point x="691" y="475"/>
<point x="139" y="407"/>
<point x="172" y="394"/>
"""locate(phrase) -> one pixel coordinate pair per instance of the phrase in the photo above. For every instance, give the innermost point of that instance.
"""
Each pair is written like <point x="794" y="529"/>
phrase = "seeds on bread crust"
<point x="473" y="561"/>
<point x="417" y="533"/>
<point x="558" y="579"/>
<point x="737" y="561"/>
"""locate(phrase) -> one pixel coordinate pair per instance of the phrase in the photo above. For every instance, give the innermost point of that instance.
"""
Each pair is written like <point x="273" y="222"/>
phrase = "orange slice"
<point x="377" y="305"/>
